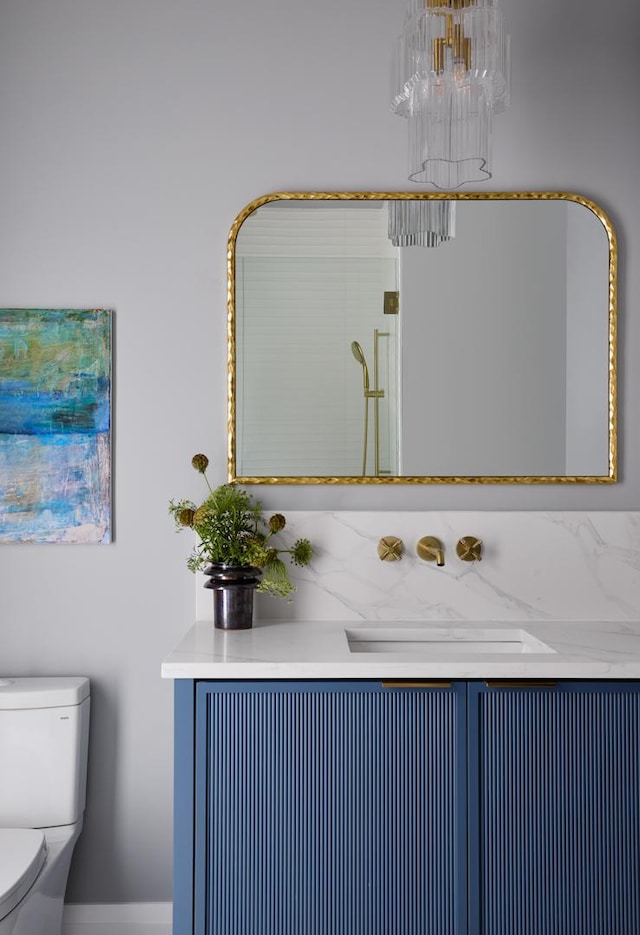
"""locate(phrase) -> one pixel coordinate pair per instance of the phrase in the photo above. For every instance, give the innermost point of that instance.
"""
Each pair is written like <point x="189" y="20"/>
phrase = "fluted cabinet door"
<point x="555" y="816"/>
<point x="329" y="809"/>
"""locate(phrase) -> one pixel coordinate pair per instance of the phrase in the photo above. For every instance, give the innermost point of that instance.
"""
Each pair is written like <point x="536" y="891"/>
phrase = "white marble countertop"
<point x="322" y="650"/>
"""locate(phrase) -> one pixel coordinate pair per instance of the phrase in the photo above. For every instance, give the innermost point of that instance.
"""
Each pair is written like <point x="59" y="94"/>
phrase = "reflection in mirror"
<point x="488" y="357"/>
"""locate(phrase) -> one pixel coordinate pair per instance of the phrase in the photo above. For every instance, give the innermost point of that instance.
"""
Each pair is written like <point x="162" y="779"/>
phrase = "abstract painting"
<point x="55" y="425"/>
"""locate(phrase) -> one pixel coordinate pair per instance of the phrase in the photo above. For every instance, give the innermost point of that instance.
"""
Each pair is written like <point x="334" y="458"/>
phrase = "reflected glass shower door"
<point x="299" y="390"/>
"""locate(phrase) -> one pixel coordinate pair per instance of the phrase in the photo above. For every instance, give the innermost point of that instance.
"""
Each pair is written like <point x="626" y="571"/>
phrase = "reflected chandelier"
<point x="450" y="75"/>
<point x="421" y="223"/>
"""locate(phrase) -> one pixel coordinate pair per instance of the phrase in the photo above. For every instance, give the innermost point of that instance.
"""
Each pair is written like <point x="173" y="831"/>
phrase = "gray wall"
<point x="133" y="131"/>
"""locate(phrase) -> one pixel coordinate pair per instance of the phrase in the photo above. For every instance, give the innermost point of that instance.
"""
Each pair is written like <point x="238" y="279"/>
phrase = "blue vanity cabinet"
<point x="554" y="809"/>
<point x="321" y="808"/>
<point x="371" y="808"/>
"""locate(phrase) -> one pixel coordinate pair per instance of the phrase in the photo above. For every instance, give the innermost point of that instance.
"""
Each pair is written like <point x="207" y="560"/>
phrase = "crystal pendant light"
<point x="450" y="76"/>
<point x="421" y="223"/>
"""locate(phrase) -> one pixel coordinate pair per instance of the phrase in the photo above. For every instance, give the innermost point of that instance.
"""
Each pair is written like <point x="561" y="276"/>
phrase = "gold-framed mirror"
<point x="359" y="354"/>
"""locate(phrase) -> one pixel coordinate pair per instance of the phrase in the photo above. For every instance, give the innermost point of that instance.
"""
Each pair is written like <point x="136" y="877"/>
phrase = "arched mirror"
<point x="395" y="338"/>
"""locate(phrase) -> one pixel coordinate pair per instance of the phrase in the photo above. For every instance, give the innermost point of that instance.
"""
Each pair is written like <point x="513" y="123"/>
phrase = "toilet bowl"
<point x="43" y="749"/>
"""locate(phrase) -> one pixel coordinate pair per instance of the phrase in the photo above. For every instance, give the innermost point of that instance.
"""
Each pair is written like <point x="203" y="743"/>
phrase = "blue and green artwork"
<point x="55" y="425"/>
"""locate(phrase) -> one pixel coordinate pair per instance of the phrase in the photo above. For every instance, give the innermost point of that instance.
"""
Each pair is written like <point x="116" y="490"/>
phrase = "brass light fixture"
<point x="450" y="76"/>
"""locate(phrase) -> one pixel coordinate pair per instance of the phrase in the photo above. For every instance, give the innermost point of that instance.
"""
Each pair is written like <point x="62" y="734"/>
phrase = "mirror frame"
<point x="609" y="478"/>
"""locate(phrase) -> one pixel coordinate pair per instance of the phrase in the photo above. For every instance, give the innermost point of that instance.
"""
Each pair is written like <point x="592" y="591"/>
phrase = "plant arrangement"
<point x="232" y="530"/>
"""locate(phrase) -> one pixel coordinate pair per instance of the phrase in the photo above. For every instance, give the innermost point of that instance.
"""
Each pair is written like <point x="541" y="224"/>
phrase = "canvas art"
<point x="55" y="425"/>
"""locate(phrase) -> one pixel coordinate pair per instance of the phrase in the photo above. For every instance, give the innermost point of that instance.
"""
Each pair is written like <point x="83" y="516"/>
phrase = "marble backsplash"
<point x="535" y="566"/>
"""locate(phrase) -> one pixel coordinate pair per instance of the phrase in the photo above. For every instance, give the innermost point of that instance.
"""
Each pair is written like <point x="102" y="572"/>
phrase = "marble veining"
<point x="298" y="649"/>
<point x="537" y="566"/>
<point x="569" y="580"/>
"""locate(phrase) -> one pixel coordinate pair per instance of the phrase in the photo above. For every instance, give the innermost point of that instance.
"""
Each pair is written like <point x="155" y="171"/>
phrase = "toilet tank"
<point x="44" y="735"/>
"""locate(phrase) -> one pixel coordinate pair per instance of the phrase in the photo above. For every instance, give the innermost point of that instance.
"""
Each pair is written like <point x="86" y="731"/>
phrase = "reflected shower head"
<point x="358" y="353"/>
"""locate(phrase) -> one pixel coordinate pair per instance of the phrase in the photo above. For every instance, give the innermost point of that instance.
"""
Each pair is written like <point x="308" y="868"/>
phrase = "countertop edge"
<point x="308" y="650"/>
<point x="349" y="671"/>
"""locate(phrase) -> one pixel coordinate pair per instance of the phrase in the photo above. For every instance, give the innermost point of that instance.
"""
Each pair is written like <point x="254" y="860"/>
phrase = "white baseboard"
<point x="117" y="919"/>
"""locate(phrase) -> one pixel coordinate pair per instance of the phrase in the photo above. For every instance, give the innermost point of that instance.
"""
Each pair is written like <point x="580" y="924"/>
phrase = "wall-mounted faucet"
<point x="430" y="549"/>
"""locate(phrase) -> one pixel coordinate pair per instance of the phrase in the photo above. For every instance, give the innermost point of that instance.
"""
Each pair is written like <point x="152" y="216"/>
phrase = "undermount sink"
<point x="444" y="641"/>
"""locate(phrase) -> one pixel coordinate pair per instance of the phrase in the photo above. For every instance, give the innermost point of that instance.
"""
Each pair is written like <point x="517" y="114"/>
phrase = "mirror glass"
<point x="487" y="358"/>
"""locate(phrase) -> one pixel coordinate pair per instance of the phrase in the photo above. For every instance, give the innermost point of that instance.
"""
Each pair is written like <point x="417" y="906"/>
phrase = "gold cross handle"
<point x="469" y="549"/>
<point x="390" y="549"/>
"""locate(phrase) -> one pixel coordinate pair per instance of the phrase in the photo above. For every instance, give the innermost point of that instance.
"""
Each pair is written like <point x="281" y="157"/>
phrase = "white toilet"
<point x="44" y="734"/>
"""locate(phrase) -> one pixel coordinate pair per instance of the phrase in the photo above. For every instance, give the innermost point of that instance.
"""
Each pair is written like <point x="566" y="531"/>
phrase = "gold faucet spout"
<point x="430" y="549"/>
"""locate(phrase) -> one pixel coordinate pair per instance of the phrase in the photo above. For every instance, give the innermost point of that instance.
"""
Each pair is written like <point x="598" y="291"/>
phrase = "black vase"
<point x="233" y="587"/>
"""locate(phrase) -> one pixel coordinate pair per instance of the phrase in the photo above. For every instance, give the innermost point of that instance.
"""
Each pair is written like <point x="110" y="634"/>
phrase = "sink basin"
<point x="444" y="641"/>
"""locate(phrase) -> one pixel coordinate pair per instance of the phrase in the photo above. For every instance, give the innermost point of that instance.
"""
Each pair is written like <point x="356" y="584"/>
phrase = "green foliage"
<point x="275" y="579"/>
<point x="227" y="525"/>
<point x="301" y="552"/>
<point x="232" y="530"/>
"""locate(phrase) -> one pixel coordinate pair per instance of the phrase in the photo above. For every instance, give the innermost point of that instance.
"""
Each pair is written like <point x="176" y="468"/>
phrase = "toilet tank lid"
<point x="54" y="692"/>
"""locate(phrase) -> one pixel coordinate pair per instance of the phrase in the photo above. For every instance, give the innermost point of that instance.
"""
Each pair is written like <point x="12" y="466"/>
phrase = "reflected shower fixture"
<point x="376" y="394"/>
<point x="450" y="75"/>
<point x="358" y="353"/>
<point x="417" y="223"/>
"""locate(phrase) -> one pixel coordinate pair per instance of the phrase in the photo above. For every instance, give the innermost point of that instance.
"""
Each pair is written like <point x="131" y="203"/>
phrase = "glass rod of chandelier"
<point x="450" y="75"/>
